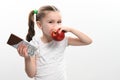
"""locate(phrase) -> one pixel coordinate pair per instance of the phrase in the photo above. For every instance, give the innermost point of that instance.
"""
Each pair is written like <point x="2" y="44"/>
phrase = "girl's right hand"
<point x="22" y="50"/>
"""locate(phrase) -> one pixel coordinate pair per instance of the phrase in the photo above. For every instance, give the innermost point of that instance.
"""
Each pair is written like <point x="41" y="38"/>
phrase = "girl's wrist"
<point x="27" y="58"/>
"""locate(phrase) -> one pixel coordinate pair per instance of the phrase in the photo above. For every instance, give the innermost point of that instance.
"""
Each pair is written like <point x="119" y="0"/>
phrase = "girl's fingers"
<point x="19" y="48"/>
<point x="22" y="50"/>
<point x="25" y="51"/>
<point x="63" y="29"/>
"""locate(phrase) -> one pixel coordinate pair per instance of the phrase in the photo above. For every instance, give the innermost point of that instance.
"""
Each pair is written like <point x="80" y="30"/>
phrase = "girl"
<point x="48" y="62"/>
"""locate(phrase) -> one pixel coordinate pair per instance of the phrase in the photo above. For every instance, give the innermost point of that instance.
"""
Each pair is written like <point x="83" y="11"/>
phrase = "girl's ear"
<point x="39" y="24"/>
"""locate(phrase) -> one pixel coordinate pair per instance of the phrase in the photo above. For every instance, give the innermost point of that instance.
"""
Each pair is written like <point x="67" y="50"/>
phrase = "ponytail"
<point x="39" y="15"/>
<point x="31" y="31"/>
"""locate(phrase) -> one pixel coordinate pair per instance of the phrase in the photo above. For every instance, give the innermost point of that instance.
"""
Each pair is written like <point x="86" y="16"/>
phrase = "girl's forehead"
<point x="53" y="15"/>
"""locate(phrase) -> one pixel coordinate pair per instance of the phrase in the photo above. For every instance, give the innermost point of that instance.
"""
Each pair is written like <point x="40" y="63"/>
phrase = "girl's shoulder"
<point x="35" y="41"/>
<point x="64" y="41"/>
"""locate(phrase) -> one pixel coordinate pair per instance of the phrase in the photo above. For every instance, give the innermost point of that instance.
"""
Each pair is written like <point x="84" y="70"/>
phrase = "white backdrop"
<point x="99" y="19"/>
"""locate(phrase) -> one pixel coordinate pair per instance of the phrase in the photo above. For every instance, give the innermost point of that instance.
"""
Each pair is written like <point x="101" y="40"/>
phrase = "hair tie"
<point x="35" y="11"/>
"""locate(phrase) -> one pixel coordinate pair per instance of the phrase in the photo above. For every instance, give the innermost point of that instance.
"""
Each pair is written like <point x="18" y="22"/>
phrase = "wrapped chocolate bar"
<point x="14" y="41"/>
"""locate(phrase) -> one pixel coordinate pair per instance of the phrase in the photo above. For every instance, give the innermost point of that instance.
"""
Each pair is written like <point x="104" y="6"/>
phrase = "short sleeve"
<point x="34" y="42"/>
<point x="66" y="41"/>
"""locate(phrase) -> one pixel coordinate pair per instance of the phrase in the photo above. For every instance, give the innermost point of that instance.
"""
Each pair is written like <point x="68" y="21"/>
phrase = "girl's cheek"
<point x="50" y="31"/>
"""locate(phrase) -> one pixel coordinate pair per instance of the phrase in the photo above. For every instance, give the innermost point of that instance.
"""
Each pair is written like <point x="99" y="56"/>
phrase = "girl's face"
<point x="50" y="22"/>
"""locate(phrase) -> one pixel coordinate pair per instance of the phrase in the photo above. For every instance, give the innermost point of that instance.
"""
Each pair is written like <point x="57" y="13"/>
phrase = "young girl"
<point x="48" y="62"/>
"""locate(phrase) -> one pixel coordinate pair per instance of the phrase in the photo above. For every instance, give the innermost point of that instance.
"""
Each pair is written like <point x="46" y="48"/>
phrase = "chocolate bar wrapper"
<point x="14" y="41"/>
<point x="31" y="48"/>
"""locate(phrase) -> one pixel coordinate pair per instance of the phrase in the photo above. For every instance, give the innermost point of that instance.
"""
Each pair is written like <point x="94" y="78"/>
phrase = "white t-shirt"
<point x="50" y="59"/>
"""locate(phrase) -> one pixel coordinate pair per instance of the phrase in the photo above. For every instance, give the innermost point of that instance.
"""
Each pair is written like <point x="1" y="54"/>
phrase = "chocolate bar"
<point x="14" y="41"/>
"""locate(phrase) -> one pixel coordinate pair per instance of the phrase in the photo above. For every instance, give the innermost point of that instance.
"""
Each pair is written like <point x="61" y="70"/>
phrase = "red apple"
<point x="58" y="35"/>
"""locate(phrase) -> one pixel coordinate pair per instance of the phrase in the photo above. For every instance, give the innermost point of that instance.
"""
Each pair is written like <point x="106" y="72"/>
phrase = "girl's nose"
<point x="56" y="27"/>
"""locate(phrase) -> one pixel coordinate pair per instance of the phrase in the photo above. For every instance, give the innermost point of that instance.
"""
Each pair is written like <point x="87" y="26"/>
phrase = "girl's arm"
<point x="30" y="66"/>
<point x="80" y="39"/>
<point x="30" y="61"/>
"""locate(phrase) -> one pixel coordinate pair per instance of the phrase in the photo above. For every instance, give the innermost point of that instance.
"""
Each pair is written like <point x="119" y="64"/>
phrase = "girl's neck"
<point x="46" y="39"/>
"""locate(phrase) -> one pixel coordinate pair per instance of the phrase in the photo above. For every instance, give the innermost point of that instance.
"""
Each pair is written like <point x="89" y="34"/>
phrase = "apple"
<point x="58" y="35"/>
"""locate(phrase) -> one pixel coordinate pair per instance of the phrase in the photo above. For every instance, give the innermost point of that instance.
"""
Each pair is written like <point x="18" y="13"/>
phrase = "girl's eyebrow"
<point x="50" y="20"/>
<point x="53" y="20"/>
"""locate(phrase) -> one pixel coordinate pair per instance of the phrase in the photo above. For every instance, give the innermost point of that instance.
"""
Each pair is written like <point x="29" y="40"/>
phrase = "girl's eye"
<point x="59" y="22"/>
<point x="50" y="22"/>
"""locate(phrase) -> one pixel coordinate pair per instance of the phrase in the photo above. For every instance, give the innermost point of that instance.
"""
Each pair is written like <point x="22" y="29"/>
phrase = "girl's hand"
<point x="65" y="29"/>
<point x="22" y="50"/>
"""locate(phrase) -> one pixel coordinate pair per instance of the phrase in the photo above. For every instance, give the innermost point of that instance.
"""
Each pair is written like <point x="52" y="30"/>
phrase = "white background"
<point x="99" y="19"/>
